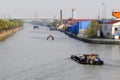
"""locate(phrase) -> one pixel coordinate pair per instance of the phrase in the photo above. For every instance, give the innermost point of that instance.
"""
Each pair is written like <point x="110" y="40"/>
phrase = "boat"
<point x="35" y="26"/>
<point x="50" y="36"/>
<point x="87" y="59"/>
<point x="52" y="28"/>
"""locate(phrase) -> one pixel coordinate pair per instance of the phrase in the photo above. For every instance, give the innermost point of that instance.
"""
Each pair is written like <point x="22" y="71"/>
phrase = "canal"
<point x="28" y="55"/>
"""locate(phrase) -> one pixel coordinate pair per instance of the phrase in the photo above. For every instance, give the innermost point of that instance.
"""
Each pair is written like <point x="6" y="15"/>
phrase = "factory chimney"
<point x="61" y="17"/>
<point x="73" y="13"/>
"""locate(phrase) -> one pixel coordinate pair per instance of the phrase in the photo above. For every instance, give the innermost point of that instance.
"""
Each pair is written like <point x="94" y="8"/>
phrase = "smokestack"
<point x="60" y="16"/>
<point x="73" y="13"/>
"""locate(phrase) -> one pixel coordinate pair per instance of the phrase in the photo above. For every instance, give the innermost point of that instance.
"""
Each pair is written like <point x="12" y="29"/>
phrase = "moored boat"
<point x="35" y="27"/>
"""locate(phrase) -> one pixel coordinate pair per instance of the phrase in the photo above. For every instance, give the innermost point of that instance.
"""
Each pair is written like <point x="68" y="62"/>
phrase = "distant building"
<point x="77" y="26"/>
<point x="83" y="25"/>
<point x="111" y="29"/>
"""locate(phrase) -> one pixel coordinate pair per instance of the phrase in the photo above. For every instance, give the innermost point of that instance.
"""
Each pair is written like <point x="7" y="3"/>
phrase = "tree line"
<point x="10" y="24"/>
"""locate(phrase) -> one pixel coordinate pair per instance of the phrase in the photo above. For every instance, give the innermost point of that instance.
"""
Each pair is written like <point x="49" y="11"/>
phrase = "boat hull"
<point x="84" y="61"/>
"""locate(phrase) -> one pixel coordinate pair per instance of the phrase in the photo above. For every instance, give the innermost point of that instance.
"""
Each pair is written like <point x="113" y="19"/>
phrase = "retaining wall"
<point x="94" y="41"/>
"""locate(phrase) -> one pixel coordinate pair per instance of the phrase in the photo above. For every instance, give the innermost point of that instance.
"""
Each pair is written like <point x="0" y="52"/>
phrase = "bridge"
<point x="38" y="21"/>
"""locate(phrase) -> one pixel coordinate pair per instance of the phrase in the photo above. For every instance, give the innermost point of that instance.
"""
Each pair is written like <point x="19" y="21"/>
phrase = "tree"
<point x="55" y="23"/>
<point x="19" y="22"/>
<point x="10" y="24"/>
<point x="91" y="32"/>
<point x="2" y="25"/>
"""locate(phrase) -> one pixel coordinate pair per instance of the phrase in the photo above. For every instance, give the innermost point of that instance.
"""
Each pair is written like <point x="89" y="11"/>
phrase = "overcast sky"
<point x="51" y="8"/>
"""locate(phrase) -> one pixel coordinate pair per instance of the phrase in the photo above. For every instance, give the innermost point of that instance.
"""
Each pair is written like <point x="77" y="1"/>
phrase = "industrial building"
<point x="79" y="26"/>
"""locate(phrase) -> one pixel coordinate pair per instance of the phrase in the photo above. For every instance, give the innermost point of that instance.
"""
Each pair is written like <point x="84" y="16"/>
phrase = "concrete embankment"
<point x="6" y="33"/>
<point x="94" y="41"/>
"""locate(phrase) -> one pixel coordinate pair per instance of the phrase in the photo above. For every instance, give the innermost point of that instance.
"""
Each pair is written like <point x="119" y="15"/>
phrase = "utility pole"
<point x="4" y="16"/>
<point x="9" y="17"/>
<point x="35" y="15"/>
<point x="98" y="15"/>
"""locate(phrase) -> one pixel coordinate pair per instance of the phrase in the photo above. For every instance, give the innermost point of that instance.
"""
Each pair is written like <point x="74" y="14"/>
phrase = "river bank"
<point x="6" y="33"/>
<point x="93" y="41"/>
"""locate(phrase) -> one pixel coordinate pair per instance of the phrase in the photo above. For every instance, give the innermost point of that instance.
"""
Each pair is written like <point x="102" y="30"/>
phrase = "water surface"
<point x="28" y="55"/>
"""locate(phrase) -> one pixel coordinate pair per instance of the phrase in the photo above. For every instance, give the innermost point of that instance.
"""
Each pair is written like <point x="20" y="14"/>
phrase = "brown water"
<point x="28" y="55"/>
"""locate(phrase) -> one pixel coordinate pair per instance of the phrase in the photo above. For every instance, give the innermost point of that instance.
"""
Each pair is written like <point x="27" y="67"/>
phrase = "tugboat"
<point x="91" y="59"/>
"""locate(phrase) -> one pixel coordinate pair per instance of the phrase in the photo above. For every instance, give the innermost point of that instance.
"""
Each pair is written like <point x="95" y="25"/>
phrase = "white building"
<point x="111" y="29"/>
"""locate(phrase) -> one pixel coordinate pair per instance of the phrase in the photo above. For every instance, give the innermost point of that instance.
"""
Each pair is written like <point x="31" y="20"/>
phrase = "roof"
<point x="112" y="22"/>
<point x="80" y="19"/>
<point x="74" y="21"/>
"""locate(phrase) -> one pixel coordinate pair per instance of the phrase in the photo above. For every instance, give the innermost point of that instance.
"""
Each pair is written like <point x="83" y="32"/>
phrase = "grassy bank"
<point x="6" y="33"/>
